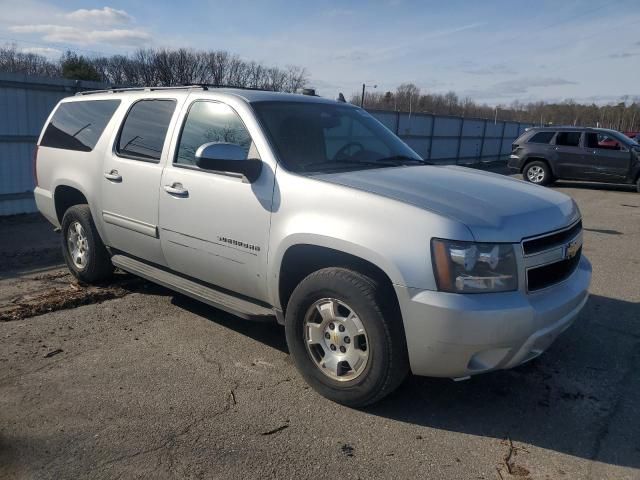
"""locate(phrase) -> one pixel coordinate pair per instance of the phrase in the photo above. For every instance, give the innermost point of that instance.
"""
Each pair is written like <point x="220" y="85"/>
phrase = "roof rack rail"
<point x="211" y="85"/>
<point x="139" y="89"/>
<point x="203" y="86"/>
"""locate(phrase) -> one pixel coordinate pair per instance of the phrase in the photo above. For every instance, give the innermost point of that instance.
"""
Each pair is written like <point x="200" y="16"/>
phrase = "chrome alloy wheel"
<point x="336" y="339"/>
<point x="535" y="174"/>
<point x="78" y="245"/>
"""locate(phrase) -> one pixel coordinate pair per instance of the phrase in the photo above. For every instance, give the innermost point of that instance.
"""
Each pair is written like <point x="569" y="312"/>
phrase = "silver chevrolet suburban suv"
<point x="311" y="213"/>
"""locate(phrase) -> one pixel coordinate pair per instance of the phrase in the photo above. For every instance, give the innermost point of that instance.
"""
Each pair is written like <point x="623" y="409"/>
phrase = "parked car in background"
<point x="545" y="154"/>
<point x="310" y="212"/>
<point x="611" y="142"/>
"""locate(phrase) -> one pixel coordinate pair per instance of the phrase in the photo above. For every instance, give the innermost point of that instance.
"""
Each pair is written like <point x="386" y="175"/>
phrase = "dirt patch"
<point x="68" y="296"/>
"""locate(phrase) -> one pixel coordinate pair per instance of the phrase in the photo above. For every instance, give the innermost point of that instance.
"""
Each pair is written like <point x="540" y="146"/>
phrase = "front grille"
<point x="540" y="244"/>
<point x="547" y="275"/>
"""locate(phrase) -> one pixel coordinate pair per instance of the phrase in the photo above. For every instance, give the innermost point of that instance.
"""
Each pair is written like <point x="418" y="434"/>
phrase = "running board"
<point x="211" y="296"/>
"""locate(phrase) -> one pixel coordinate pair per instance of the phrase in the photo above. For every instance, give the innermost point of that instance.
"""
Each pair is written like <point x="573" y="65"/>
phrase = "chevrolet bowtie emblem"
<point x="572" y="249"/>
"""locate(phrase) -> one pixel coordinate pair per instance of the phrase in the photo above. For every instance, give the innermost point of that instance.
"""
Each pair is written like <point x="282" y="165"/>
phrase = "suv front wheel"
<point x="345" y="337"/>
<point x="82" y="247"/>
<point x="538" y="172"/>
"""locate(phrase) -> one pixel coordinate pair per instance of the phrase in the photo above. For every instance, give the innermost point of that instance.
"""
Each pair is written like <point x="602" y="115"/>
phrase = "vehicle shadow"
<point x="579" y="398"/>
<point x="615" y="187"/>
<point x="269" y="333"/>
<point x="28" y="244"/>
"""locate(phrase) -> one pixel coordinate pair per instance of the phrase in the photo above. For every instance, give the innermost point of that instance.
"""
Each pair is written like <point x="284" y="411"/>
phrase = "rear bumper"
<point x="455" y="335"/>
<point x="514" y="163"/>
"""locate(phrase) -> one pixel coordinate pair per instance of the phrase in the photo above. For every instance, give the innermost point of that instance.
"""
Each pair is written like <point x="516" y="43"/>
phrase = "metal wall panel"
<point x="25" y="104"/>
<point x="453" y="140"/>
<point x="415" y="125"/>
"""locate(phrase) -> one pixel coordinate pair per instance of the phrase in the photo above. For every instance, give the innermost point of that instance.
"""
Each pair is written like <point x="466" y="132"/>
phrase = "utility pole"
<point x="364" y="85"/>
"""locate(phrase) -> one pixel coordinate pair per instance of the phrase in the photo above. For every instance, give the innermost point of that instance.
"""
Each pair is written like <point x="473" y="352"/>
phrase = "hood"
<point x="494" y="207"/>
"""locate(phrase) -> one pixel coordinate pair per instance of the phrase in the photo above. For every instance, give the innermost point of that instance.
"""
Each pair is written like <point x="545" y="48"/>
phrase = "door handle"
<point x="557" y="148"/>
<point x="113" y="176"/>
<point x="176" y="189"/>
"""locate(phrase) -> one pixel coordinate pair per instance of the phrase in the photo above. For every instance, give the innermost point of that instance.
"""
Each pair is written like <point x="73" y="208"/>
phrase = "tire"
<point x="638" y="184"/>
<point x="538" y="173"/>
<point x="380" y="354"/>
<point x="92" y="263"/>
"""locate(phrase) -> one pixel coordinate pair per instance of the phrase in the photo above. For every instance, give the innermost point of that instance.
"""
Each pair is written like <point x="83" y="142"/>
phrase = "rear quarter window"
<point x="541" y="137"/>
<point x="78" y="125"/>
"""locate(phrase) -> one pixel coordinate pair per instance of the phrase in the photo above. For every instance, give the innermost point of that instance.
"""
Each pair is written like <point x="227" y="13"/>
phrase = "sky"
<point x="492" y="51"/>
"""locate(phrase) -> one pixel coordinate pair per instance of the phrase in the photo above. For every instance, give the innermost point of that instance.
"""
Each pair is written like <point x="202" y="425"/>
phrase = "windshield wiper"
<point x="403" y="160"/>
<point x="343" y="163"/>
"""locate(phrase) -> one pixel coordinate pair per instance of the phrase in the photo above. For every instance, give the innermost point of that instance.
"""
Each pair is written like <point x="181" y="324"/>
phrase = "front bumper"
<point x="457" y="335"/>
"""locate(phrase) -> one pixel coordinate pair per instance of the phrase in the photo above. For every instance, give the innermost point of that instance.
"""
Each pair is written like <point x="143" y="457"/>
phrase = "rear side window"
<point x="145" y="129"/>
<point x="568" y="139"/>
<point x="78" y="125"/>
<point x="542" y="137"/>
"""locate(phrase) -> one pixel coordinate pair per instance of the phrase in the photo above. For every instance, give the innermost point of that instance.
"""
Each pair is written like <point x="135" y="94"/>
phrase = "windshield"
<point x="317" y="137"/>
<point x="620" y="137"/>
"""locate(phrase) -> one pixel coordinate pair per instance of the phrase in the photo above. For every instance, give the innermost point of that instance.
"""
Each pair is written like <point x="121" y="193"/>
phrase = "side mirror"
<point x="228" y="158"/>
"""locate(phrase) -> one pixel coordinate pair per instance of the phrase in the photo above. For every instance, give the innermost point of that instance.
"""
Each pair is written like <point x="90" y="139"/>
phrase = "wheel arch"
<point x="301" y="259"/>
<point x="537" y="159"/>
<point x="66" y="196"/>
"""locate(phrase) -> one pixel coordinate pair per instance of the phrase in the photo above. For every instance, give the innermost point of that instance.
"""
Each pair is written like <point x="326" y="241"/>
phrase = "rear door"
<point x="606" y="160"/>
<point x="569" y="155"/>
<point x="131" y="177"/>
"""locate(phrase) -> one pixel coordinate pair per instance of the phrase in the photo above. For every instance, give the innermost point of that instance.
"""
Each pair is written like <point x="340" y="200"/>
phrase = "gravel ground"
<point x="130" y="380"/>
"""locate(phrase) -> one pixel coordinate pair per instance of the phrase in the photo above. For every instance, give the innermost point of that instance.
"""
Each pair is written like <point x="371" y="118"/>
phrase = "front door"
<point x="215" y="227"/>
<point x="131" y="179"/>
<point x="606" y="159"/>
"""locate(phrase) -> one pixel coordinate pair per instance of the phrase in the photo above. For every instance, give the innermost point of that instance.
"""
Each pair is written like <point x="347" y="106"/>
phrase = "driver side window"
<point x="209" y="121"/>
<point x="349" y="137"/>
<point x="602" y="141"/>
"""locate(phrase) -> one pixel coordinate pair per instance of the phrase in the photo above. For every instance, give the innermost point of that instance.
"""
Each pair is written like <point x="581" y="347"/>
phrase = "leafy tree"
<point x="77" y="67"/>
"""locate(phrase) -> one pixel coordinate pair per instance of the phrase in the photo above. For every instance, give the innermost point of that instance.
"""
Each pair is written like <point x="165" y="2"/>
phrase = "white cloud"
<point x="496" y="69"/>
<point x="83" y="36"/>
<point x="44" y="51"/>
<point x="339" y="12"/>
<point x="106" y="16"/>
<point x="624" y="55"/>
<point x="519" y="88"/>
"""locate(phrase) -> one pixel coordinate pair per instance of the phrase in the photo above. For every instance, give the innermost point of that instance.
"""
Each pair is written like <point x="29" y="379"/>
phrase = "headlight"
<point x="468" y="267"/>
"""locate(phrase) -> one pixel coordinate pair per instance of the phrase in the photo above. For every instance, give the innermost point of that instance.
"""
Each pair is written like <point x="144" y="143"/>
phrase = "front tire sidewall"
<point x="363" y="389"/>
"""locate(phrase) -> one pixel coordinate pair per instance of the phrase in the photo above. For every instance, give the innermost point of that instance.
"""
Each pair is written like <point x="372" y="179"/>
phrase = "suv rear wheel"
<point x="82" y="248"/>
<point x="345" y="340"/>
<point x="537" y="172"/>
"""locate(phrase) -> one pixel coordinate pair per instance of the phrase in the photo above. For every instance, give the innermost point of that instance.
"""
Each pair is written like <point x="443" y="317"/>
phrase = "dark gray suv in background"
<point x="543" y="155"/>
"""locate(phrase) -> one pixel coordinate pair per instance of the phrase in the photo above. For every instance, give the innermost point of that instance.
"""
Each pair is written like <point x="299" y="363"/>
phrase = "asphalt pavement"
<point x="133" y="381"/>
